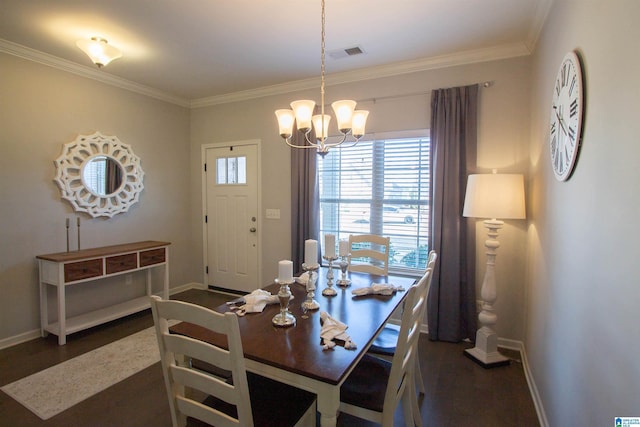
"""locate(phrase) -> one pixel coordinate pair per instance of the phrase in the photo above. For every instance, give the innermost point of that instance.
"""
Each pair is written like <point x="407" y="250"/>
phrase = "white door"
<point x="231" y="212"/>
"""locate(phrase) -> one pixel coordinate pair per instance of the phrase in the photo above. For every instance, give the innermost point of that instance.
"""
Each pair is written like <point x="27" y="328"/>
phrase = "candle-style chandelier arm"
<point x="349" y="120"/>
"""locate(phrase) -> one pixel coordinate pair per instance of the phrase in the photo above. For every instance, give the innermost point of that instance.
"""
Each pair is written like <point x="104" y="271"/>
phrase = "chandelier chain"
<point x="322" y="37"/>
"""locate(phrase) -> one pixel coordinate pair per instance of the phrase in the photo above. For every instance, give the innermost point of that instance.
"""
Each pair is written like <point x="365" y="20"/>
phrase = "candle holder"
<point x="284" y="318"/>
<point x="344" y="264"/>
<point x="329" y="291"/>
<point x="310" y="303"/>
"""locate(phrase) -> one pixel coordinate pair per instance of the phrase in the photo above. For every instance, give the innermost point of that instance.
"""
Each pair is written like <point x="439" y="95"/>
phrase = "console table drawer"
<point x="154" y="256"/>
<point x="121" y="263"/>
<point x="82" y="270"/>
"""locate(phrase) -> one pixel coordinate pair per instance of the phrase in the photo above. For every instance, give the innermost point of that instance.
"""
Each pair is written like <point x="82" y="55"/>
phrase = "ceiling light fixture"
<point x="349" y="119"/>
<point x="98" y="49"/>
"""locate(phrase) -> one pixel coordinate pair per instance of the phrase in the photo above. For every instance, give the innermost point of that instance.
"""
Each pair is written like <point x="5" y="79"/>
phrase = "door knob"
<point x="252" y="229"/>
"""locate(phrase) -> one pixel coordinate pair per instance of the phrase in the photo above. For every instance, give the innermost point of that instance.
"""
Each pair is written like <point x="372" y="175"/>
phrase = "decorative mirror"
<point x="99" y="175"/>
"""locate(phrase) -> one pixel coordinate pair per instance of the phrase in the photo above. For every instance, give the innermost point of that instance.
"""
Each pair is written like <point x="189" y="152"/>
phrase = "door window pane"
<point x="231" y="170"/>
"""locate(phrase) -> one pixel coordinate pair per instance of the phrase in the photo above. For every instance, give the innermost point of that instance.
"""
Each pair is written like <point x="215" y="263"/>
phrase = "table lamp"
<point x="496" y="197"/>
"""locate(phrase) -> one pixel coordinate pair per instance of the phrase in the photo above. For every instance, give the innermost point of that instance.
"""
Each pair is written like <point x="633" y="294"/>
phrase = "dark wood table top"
<point x="298" y="348"/>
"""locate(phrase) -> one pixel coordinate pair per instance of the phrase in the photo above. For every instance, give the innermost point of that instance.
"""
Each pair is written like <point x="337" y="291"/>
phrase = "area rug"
<point x="49" y="392"/>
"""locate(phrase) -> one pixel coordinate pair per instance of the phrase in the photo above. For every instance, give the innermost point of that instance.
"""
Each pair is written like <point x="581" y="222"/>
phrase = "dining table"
<point x="295" y="355"/>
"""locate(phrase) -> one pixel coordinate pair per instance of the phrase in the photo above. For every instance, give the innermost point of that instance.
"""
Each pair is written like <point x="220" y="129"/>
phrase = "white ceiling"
<point x="190" y="50"/>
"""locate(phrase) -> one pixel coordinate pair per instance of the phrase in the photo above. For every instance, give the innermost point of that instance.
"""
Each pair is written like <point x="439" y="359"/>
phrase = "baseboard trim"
<point x="34" y="334"/>
<point x="533" y="389"/>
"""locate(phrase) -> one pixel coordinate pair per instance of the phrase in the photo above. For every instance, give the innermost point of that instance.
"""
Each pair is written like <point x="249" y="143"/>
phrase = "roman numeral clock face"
<point x="566" y="117"/>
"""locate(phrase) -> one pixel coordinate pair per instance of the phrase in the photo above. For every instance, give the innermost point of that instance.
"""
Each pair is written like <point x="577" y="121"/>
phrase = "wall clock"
<point x="567" y="107"/>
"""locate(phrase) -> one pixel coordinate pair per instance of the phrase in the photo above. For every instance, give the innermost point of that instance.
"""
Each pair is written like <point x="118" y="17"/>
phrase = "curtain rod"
<point x="485" y="84"/>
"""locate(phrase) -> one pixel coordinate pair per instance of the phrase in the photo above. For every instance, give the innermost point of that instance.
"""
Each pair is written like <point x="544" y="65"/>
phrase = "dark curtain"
<point x="451" y="306"/>
<point x="305" y="198"/>
<point x="113" y="176"/>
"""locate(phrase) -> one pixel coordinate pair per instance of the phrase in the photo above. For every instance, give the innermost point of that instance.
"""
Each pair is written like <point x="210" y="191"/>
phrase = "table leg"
<point x="44" y="314"/>
<point x="166" y="274"/>
<point x="328" y="405"/>
<point x="62" y="316"/>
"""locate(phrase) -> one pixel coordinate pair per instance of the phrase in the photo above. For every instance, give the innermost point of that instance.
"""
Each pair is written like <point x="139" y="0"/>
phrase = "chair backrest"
<point x="404" y="359"/>
<point x="372" y="247"/>
<point x="431" y="259"/>
<point x="176" y="352"/>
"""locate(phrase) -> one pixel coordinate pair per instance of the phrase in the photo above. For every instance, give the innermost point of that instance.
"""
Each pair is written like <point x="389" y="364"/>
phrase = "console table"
<point x="74" y="268"/>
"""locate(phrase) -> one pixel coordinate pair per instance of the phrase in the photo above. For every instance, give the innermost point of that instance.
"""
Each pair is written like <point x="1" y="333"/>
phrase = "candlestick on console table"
<point x="67" y="234"/>
<point x="78" y="232"/>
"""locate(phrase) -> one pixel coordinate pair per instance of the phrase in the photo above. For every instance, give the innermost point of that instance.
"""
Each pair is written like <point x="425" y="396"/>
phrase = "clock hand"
<point x="564" y="129"/>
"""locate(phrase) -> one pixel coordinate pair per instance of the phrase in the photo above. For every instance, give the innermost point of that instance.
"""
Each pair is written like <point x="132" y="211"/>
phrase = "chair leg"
<point x="418" y="375"/>
<point x="410" y="407"/>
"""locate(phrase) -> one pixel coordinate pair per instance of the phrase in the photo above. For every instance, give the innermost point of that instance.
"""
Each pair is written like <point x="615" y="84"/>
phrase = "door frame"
<point x="203" y="159"/>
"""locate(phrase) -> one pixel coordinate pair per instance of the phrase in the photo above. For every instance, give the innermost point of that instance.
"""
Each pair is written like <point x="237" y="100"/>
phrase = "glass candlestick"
<point x="344" y="264"/>
<point x="284" y="318"/>
<point x="310" y="303"/>
<point x="329" y="291"/>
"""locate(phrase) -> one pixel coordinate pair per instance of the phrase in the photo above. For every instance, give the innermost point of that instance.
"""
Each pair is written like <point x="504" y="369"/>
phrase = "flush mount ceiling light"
<point x="98" y="49"/>
<point x="349" y="119"/>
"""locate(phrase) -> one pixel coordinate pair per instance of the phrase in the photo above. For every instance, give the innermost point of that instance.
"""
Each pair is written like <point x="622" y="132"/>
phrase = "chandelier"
<point x="350" y="120"/>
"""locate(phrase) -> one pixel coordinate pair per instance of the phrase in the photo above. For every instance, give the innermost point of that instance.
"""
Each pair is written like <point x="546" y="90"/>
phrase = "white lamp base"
<point x="485" y="353"/>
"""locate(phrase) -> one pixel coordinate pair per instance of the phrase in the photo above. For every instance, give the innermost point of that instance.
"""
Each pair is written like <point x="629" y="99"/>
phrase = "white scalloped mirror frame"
<point x="69" y="176"/>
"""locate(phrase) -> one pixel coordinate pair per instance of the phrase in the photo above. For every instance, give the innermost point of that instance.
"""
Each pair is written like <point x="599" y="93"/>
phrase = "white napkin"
<point x="303" y="279"/>
<point x="334" y="329"/>
<point x="256" y="301"/>
<point x="377" y="289"/>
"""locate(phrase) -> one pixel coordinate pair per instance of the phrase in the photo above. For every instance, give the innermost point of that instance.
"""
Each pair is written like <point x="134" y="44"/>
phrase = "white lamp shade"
<point x="322" y="129"/>
<point x="496" y="196"/>
<point x="285" y="122"/>
<point x="99" y="51"/>
<point x="344" y="113"/>
<point x="359" y="122"/>
<point x="303" y="111"/>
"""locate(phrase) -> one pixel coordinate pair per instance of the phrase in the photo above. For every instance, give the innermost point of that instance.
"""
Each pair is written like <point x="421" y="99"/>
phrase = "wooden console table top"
<point x="102" y="251"/>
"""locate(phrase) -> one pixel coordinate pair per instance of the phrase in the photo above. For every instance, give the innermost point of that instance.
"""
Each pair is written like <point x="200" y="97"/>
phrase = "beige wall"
<point x="503" y="142"/>
<point x="42" y="108"/>
<point x="50" y="107"/>
<point x="582" y="313"/>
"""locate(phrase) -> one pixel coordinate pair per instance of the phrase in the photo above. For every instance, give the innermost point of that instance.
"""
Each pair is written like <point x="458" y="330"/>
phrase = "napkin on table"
<point x="256" y="301"/>
<point x="303" y="279"/>
<point x="377" y="289"/>
<point x="334" y="329"/>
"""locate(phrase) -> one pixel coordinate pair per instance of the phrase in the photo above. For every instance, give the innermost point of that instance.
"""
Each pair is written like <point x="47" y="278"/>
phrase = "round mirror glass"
<point x="102" y="175"/>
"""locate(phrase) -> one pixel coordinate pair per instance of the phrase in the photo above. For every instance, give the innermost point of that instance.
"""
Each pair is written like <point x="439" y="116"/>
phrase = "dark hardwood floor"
<point x="459" y="392"/>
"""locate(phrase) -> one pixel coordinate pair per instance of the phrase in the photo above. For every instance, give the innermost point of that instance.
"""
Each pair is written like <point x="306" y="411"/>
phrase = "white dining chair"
<point x="369" y="253"/>
<point x="385" y="342"/>
<point x="376" y="386"/>
<point x="198" y="394"/>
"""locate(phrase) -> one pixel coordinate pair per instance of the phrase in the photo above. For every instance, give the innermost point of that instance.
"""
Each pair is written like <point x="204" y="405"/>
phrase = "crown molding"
<point x="88" y="72"/>
<point x="369" y="73"/>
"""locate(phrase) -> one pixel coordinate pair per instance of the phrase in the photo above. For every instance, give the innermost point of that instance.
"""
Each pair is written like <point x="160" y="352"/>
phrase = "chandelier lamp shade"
<point x="99" y="50"/>
<point x="349" y="120"/>
<point x="494" y="197"/>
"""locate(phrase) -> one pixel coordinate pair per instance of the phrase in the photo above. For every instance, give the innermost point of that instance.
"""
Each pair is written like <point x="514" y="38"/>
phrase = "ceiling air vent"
<point x="343" y="53"/>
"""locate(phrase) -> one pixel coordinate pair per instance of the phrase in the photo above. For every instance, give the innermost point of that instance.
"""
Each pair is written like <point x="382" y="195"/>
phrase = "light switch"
<point x="273" y="213"/>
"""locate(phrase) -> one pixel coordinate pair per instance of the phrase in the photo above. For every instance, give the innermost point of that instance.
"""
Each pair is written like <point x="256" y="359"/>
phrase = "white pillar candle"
<point x="330" y="245"/>
<point x="343" y="247"/>
<point x="285" y="271"/>
<point x="311" y="252"/>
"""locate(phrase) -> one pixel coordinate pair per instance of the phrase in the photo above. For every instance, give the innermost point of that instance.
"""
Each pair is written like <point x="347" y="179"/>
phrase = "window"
<point x="380" y="187"/>
<point x="231" y="170"/>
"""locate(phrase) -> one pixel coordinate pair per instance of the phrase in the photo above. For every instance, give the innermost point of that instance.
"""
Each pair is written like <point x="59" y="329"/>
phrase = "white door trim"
<point x="203" y="159"/>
